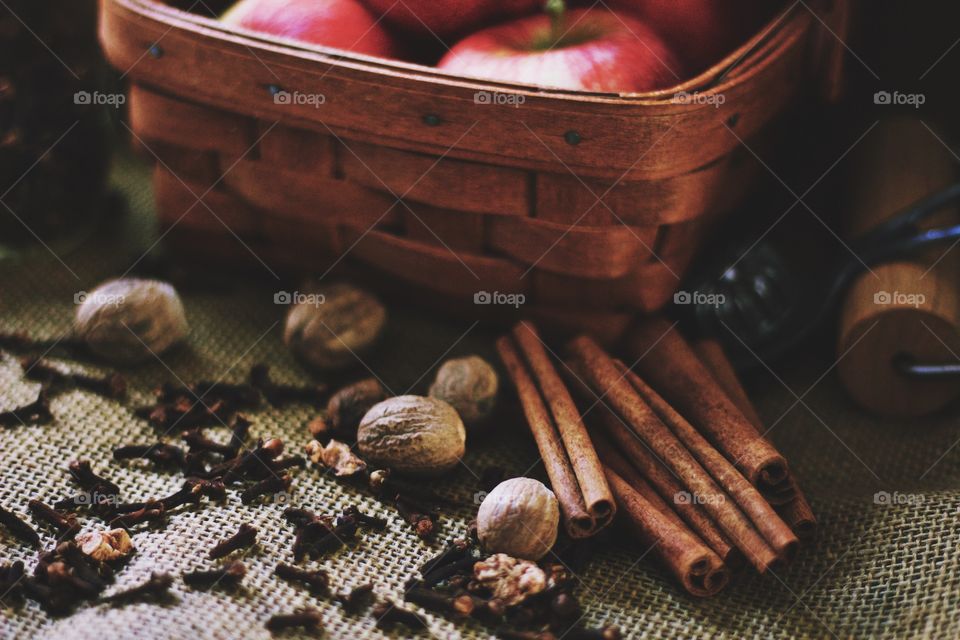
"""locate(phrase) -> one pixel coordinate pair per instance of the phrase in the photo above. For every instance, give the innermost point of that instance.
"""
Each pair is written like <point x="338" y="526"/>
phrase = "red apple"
<point x="444" y="18"/>
<point x="702" y="32"/>
<point x="591" y="49"/>
<point x="344" y="24"/>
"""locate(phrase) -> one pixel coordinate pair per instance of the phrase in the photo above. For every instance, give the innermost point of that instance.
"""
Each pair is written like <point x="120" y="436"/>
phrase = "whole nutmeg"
<point x="520" y="518"/>
<point x="470" y="385"/>
<point x="330" y="327"/>
<point x="413" y="434"/>
<point x="347" y="406"/>
<point x="130" y="320"/>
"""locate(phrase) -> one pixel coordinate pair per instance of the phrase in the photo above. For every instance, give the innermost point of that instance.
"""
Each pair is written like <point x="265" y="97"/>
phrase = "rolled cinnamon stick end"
<point x="799" y="516"/>
<point x="635" y="464"/>
<point x="577" y="519"/>
<point x="748" y="498"/>
<point x="576" y="440"/>
<point x="670" y="365"/>
<point x="786" y="497"/>
<point x="695" y="566"/>
<point x="600" y="373"/>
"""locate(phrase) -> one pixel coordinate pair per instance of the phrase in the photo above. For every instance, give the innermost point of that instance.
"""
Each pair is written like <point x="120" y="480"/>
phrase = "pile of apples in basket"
<point x="620" y="46"/>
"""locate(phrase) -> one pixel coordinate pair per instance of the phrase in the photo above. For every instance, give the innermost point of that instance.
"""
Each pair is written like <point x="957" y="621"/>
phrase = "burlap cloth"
<point x="876" y="570"/>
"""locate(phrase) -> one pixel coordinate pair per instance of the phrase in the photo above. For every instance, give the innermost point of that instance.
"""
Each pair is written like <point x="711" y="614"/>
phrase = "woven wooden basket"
<point x="591" y="206"/>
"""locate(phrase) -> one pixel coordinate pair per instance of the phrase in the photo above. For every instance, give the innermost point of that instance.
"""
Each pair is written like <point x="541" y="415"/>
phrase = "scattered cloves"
<point x="36" y="412"/>
<point x="228" y="577"/>
<point x="280" y="395"/>
<point x="198" y="442"/>
<point x="19" y="529"/>
<point x="161" y="454"/>
<point x="112" y="386"/>
<point x="354" y="600"/>
<point x="318" y="582"/>
<point x="63" y="523"/>
<point x="156" y="589"/>
<point x="150" y="513"/>
<point x="389" y="614"/>
<point x="422" y="523"/>
<point x="269" y="487"/>
<point x="245" y="537"/>
<point x="307" y="619"/>
<point x="460" y="604"/>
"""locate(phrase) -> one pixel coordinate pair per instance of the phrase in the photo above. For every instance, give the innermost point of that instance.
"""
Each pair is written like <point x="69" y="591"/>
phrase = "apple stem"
<point x="555" y="9"/>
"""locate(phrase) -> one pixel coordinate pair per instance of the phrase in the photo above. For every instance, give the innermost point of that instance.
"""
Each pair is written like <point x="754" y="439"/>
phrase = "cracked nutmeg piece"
<point x="413" y="434"/>
<point x="520" y="517"/>
<point x="470" y="386"/>
<point x="329" y="326"/>
<point x="510" y="580"/>
<point x="106" y="546"/>
<point x="337" y="456"/>
<point x="130" y="320"/>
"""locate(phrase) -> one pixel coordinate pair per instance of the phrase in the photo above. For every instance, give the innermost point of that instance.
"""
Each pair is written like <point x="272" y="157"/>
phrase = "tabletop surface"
<point x="878" y="568"/>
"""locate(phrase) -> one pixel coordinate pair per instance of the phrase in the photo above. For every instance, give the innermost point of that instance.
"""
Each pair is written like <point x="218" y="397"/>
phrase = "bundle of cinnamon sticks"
<point x="678" y="446"/>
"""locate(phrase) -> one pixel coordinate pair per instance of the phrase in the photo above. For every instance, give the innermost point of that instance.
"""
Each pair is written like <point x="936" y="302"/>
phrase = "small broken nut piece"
<point x="470" y="386"/>
<point x="106" y="546"/>
<point x="331" y="325"/>
<point x="335" y="455"/>
<point x="520" y="517"/>
<point x="413" y="434"/>
<point x="511" y="580"/>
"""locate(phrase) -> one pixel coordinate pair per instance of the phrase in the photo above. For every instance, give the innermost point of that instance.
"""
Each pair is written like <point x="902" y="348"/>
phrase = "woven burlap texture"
<point x="876" y="570"/>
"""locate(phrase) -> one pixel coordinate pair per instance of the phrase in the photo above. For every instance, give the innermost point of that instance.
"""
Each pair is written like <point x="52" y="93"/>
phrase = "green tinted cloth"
<point x="876" y="570"/>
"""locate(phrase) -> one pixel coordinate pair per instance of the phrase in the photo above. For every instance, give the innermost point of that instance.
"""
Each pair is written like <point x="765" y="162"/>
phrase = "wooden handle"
<point x="906" y="307"/>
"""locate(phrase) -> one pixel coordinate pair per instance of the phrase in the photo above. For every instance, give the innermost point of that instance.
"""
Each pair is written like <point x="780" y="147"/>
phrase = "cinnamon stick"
<point x="791" y="503"/>
<point x="599" y="371"/>
<point x="643" y="466"/>
<point x="669" y="364"/>
<point x="748" y="498"/>
<point x="678" y="511"/>
<point x="555" y="460"/>
<point x="695" y="566"/>
<point x="576" y="440"/>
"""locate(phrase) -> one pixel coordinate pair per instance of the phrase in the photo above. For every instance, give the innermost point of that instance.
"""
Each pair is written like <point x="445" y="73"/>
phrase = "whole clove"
<point x="440" y="573"/>
<point x="269" y="487"/>
<point x="228" y="577"/>
<point x="459" y="604"/>
<point x="161" y="454"/>
<point x="19" y="529"/>
<point x="255" y="464"/>
<point x="290" y="462"/>
<point x="245" y="537"/>
<point x="453" y="552"/>
<point x="357" y="598"/>
<point x="239" y="431"/>
<point x="238" y="395"/>
<point x="318" y="582"/>
<point x="36" y="412"/>
<point x="63" y="523"/>
<point x="149" y="513"/>
<point x="365" y="520"/>
<point x="11" y="576"/>
<point x="112" y="386"/>
<point x="198" y="442"/>
<point x="279" y="395"/>
<point x="389" y="614"/>
<point x="422" y="523"/>
<point x="82" y="473"/>
<point x="156" y="589"/>
<point x="307" y="619"/>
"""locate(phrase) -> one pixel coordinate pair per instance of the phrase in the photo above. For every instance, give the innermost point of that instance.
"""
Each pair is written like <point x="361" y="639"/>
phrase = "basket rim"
<point x="733" y="70"/>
